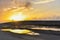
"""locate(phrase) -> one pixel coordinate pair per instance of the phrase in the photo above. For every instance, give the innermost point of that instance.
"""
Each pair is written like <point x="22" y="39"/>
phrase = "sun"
<point x="18" y="16"/>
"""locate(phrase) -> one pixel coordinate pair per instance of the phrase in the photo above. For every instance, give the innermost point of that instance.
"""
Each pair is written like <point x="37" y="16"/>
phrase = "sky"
<point x="43" y="9"/>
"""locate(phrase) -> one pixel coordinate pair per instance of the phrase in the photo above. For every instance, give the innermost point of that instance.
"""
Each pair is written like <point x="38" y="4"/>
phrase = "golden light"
<point x="18" y="16"/>
<point x="20" y="31"/>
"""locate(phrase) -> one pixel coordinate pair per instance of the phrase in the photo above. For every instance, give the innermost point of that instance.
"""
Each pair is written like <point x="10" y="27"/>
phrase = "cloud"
<point x="43" y="1"/>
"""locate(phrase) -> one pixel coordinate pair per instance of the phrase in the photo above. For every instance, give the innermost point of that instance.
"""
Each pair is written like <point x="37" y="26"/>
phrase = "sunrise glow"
<point x="18" y="16"/>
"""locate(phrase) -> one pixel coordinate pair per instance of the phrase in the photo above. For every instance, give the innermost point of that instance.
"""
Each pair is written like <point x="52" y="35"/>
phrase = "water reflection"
<point x="43" y="36"/>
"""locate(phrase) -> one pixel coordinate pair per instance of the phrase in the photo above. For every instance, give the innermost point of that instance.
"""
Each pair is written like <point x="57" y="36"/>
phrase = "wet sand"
<point x="42" y="36"/>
